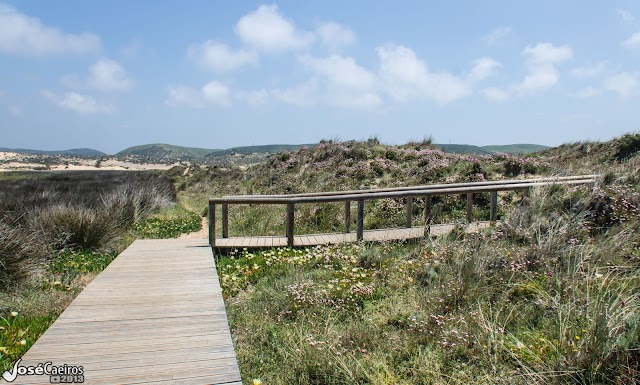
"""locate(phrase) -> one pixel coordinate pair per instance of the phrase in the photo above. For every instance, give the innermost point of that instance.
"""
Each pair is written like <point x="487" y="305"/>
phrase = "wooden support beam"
<point x="469" y="207"/>
<point x="347" y="216"/>
<point x="494" y="206"/>
<point x="290" y="223"/>
<point x="212" y="224"/>
<point x="225" y="220"/>
<point x="526" y="196"/>
<point x="360" y="221"/>
<point x="427" y="209"/>
<point x="409" y="212"/>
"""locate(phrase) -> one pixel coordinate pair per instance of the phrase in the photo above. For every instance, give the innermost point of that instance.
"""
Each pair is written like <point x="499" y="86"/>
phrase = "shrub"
<point x="77" y="227"/>
<point x="20" y="254"/>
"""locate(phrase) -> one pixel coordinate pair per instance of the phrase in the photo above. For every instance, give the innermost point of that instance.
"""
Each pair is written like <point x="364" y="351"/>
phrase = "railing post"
<point x="212" y="224"/>
<point x="526" y="193"/>
<point x="360" y="221"/>
<point x="347" y="216"/>
<point x="427" y="208"/>
<point x="409" y="212"/>
<point x="494" y="206"/>
<point x="225" y="220"/>
<point x="290" y="220"/>
<point x="469" y="207"/>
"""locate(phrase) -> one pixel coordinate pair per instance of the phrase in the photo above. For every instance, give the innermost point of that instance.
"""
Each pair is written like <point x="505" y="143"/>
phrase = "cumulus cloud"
<point x="184" y="96"/>
<point x="335" y="36"/>
<point x="340" y="72"/>
<point x="24" y="35"/>
<point x="216" y="93"/>
<point x="541" y="61"/>
<point x="213" y="93"/>
<point x="303" y="95"/>
<point x="632" y="41"/>
<point x="78" y="103"/>
<point x="588" y="71"/>
<point x="406" y="77"/>
<point x="109" y="76"/>
<point x="218" y="57"/>
<point x="625" y="84"/>
<point x="496" y="36"/>
<point x="267" y="30"/>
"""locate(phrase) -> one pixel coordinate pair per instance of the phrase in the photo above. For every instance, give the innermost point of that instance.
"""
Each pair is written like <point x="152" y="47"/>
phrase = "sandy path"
<point x="203" y="233"/>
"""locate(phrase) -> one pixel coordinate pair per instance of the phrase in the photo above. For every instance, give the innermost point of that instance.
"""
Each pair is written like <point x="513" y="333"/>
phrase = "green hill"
<point x="462" y="149"/>
<point x="163" y="151"/>
<point x="269" y="149"/>
<point x="515" y="148"/>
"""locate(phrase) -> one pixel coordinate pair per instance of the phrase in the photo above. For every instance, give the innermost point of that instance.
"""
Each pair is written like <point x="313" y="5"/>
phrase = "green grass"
<point x="18" y="333"/>
<point x="168" y="224"/>
<point x="548" y="297"/>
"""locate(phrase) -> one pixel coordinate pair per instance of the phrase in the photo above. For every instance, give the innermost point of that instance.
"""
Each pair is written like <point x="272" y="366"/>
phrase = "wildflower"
<point x="578" y="338"/>
<point x="257" y="381"/>
<point x="14" y="313"/>
<point x="23" y="342"/>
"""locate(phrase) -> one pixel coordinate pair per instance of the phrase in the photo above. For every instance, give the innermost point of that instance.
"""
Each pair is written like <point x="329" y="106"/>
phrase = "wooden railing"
<point x="360" y="196"/>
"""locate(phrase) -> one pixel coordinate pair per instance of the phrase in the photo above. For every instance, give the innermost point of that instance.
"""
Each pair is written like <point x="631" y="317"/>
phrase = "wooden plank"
<point x="159" y="321"/>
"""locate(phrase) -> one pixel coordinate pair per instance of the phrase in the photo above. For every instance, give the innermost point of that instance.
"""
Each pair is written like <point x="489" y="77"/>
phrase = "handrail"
<point x="421" y="187"/>
<point x="361" y="196"/>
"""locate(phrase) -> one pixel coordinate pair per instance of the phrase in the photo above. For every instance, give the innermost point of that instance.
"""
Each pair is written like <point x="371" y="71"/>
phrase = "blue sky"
<point x="111" y="74"/>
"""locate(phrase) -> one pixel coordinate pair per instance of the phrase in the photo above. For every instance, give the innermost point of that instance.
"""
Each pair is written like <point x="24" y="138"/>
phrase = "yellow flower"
<point x="14" y="313"/>
<point x="23" y="342"/>
<point x="257" y="381"/>
<point x="578" y="337"/>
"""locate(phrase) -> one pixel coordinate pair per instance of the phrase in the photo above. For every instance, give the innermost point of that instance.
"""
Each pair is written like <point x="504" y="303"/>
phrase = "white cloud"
<point x="495" y="94"/>
<point x="586" y="93"/>
<point x="406" y="77"/>
<point x="482" y="69"/>
<point x="267" y="30"/>
<point x="216" y="93"/>
<point x="340" y="72"/>
<point x="184" y="96"/>
<point x="632" y="41"/>
<point x="109" y="76"/>
<point x="24" y="35"/>
<point x="541" y="61"/>
<point x="625" y="84"/>
<point x="588" y="71"/>
<point x="625" y="15"/>
<point x="335" y="36"/>
<point x="78" y="103"/>
<point x="497" y="35"/>
<point x="212" y="93"/>
<point x="218" y="57"/>
<point x="303" y="95"/>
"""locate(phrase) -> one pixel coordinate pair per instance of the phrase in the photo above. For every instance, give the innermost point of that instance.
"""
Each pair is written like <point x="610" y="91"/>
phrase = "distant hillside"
<point x="269" y="149"/>
<point x="515" y="148"/>
<point x="167" y="151"/>
<point x="462" y="149"/>
<point x="486" y="150"/>
<point x="72" y="152"/>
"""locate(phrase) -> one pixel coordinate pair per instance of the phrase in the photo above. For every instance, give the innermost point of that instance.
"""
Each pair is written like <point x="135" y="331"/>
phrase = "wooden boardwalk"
<point x="382" y="235"/>
<point x="155" y="315"/>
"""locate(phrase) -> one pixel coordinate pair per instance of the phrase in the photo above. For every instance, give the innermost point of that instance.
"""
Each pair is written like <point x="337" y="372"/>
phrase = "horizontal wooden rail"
<point x="423" y="187"/>
<point x="360" y="196"/>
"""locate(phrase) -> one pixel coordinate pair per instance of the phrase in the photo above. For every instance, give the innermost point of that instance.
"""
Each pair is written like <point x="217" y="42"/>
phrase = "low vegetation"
<point x="550" y="295"/>
<point x="57" y="230"/>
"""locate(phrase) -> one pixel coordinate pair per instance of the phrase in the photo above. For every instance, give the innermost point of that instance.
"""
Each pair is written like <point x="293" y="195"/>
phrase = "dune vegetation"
<point x="549" y="295"/>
